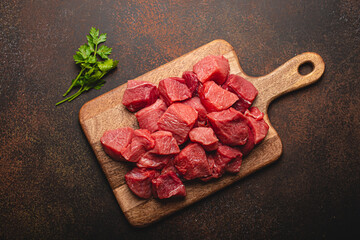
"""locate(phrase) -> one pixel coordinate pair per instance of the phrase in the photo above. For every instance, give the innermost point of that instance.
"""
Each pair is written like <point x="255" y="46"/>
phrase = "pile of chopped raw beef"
<point x="197" y="126"/>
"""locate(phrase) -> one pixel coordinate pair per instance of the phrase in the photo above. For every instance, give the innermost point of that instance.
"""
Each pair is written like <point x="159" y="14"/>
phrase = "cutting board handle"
<point x="287" y="78"/>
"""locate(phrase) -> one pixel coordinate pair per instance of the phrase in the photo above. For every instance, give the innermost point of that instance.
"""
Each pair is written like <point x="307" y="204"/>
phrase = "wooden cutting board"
<point x="107" y="112"/>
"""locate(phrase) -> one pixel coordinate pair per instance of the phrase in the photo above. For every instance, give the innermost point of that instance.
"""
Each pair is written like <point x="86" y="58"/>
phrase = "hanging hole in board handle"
<point x="305" y="68"/>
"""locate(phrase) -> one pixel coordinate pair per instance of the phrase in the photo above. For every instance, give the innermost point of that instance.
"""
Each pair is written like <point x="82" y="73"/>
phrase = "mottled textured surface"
<point x="51" y="185"/>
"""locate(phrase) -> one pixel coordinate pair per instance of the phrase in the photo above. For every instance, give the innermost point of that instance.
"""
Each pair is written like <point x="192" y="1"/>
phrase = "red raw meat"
<point x="230" y="126"/>
<point x="139" y="181"/>
<point x="192" y="162"/>
<point x="234" y="165"/>
<point x="244" y="89"/>
<point x="153" y="161"/>
<point x="178" y="119"/>
<point x="165" y="143"/>
<point x="205" y="136"/>
<point x="250" y="143"/>
<point x="139" y="94"/>
<point x="196" y="104"/>
<point x="170" y="167"/>
<point x="114" y="142"/>
<point x="255" y="113"/>
<point x="191" y="80"/>
<point x="241" y="105"/>
<point x="259" y="128"/>
<point x="212" y="68"/>
<point x="140" y="143"/>
<point x="173" y="89"/>
<point x="232" y="157"/>
<point x="168" y="185"/>
<point x="215" y="98"/>
<point x="149" y="116"/>
<point x="220" y="161"/>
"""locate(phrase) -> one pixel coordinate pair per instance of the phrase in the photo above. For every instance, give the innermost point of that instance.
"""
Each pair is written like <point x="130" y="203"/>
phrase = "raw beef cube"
<point x="170" y="167"/>
<point x="241" y="87"/>
<point x="139" y="181"/>
<point x="141" y="142"/>
<point x="230" y="126"/>
<point x="234" y="165"/>
<point x="228" y="153"/>
<point x="255" y="113"/>
<point x="205" y="136"/>
<point x="215" y="170"/>
<point x="196" y="104"/>
<point x="192" y="162"/>
<point x="241" y="105"/>
<point x="212" y="68"/>
<point x="168" y="185"/>
<point x="250" y="142"/>
<point x="215" y="98"/>
<point x="139" y="94"/>
<point x="220" y="161"/>
<point x="149" y="116"/>
<point x="153" y="161"/>
<point x="231" y="158"/>
<point x="114" y="142"/>
<point x="173" y="90"/>
<point x="259" y="128"/>
<point x="165" y="143"/>
<point x="143" y="136"/>
<point x="178" y="119"/>
<point x="191" y="80"/>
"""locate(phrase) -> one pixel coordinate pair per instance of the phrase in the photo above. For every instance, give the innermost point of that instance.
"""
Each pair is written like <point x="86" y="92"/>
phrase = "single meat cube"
<point x="149" y="116"/>
<point x="114" y="142"/>
<point x="215" y="98"/>
<point x="205" y="136"/>
<point x="250" y="142"/>
<point x="153" y="161"/>
<point x="165" y="143"/>
<point x="234" y="165"/>
<point x="178" y="119"/>
<point x="231" y="158"/>
<point x="230" y="126"/>
<point x="173" y="89"/>
<point x="259" y="128"/>
<point x="255" y="113"/>
<point x="191" y="80"/>
<point x="226" y="156"/>
<point x="170" y="167"/>
<point x="168" y="185"/>
<point x="241" y="87"/>
<point x="192" y="163"/>
<point x="140" y="143"/>
<point x="215" y="171"/>
<point x="212" y="68"/>
<point x="228" y="152"/>
<point x="139" y="181"/>
<point x="220" y="161"/>
<point x="196" y="104"/>
<point x="139" y="94"/>
<point x="241" y="105"/>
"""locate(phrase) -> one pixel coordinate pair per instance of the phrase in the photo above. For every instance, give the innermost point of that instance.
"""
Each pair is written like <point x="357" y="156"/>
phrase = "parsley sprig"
<point x="92" y="70"/>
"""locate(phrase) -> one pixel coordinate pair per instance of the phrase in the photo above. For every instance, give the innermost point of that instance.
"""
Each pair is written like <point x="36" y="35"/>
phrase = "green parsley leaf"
<point x="92" y="70"/>
<point x="94" y="33"/>
<point x="107" y="65"/>
<point x="104" y="51"/>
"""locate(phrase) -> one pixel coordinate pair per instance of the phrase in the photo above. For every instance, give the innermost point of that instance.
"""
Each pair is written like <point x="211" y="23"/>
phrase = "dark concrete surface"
<point x="51" y="185"/>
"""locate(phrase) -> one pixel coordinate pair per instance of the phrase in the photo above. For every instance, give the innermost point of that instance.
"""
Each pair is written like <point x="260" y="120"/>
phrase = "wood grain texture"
<point x="107" y="112"/>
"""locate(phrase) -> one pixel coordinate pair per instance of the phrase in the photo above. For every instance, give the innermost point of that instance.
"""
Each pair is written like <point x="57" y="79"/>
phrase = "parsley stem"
<point x="72" y="97"/>
<point x="96" y="45"/>
<point x="74" y="82"/>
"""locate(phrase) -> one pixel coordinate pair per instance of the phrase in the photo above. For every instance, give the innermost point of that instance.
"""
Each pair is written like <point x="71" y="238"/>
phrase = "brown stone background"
<point x="51" y="185"/>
